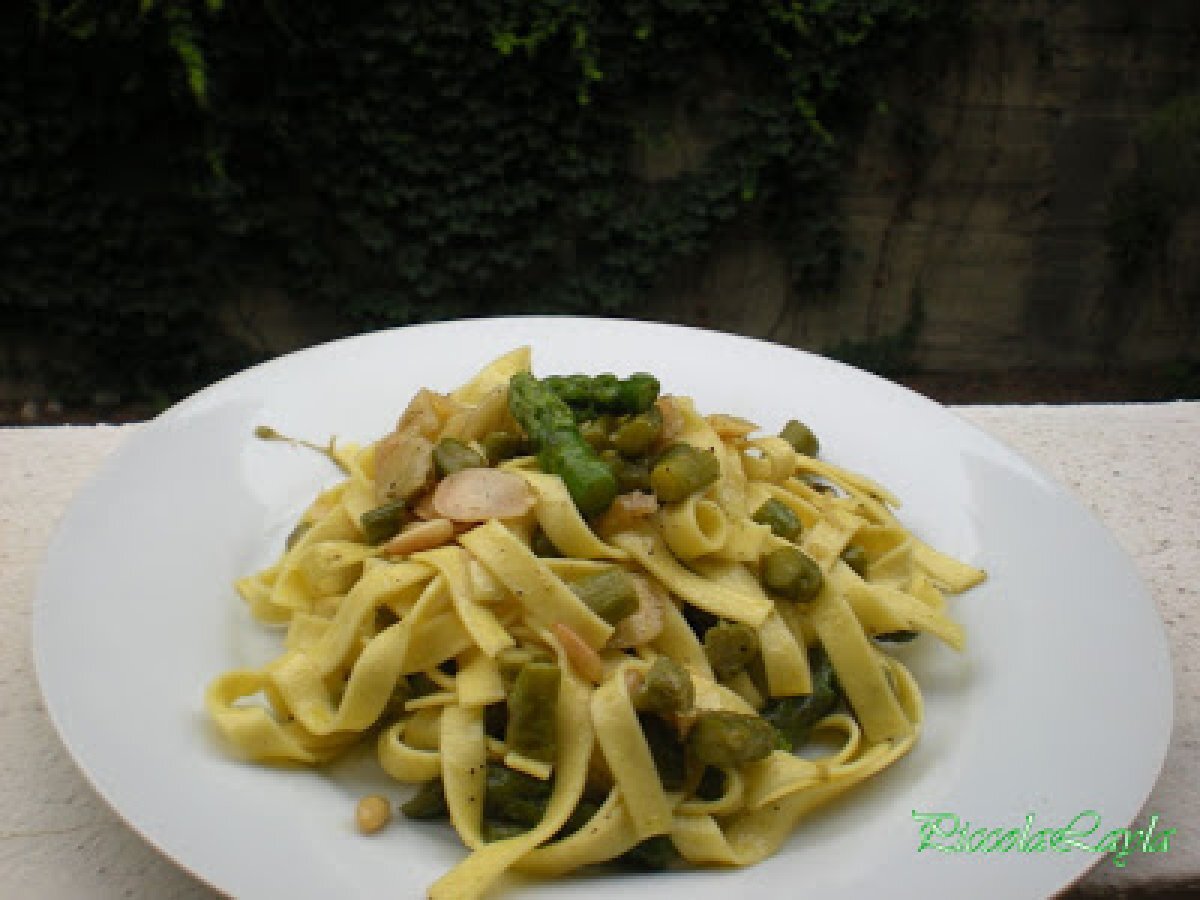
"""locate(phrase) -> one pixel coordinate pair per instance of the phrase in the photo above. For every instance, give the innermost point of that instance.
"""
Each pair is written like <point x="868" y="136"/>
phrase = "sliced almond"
<point x="584" y="660"/>
<point x="646" y="622"/>
<point x="427" y="412"/>
<point x="403" y="465"/>
<point x="404" y="459"/>
<point x="476" y="495"/>
<point x="420" y="536"/>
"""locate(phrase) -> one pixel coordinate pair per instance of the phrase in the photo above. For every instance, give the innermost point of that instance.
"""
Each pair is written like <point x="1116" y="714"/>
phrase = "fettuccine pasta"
<point x="593" y="625"/>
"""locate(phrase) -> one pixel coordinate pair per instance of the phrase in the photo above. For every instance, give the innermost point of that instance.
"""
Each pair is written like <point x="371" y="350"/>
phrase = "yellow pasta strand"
<point x="546" y="599"/>
<point x="859" y="672"/>
<point x="651" y="551"/>
<point x="559" y="518"/>
<point x="479" y="621"/>
<point x="629" y="759"/>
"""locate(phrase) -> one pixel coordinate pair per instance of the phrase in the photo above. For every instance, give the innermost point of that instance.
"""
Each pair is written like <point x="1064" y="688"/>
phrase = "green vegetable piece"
<point x="501" y="445"/>
<point x="610" y="594"/>
<point x="795" y="717"/>
<point x="515" y="797"/>
<point x="492" y="831"/>
<point x="597" y="432"/>
<point x="537" y="409"/>
<point x="801" y="437"/>
<point x="792" y="573"/>
<point x="856" y="558"/>
<point x="575" y="389"/>
<point x="667" y="750"/>
<point x="667" y="688"/>
<point x="429" y="802"/>
<point x="730" y="646"/>
<point x="383" y="522"/>
<point x="636" y="434"/>
<point x="512" y="659"/>
<point x="532" y="706"/>
<point x="451" y="455"/>
<point x="606" y="393"/>
<point x="681" y="471"/>
<point x="729" y="740"/>
<point x="780" y="518"/>
<point x="589" y="481"/>
<point x="585" y="810"/>
<point x="898" y="637"/>
<point x="561" y="448"/>
<point x="637" y="393"/>
<point x="632" y="474"/>
<point x="652" y="855"/>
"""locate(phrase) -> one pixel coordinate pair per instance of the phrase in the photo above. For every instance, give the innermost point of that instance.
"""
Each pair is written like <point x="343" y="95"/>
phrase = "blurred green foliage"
<point x="390" y="162"/>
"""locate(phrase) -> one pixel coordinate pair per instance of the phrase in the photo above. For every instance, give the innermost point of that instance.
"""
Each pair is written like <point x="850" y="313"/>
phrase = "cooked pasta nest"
<point x="421" y="640"/>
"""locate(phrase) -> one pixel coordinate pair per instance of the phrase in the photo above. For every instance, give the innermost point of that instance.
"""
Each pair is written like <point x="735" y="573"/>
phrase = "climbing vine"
<point x="381" y="163"/>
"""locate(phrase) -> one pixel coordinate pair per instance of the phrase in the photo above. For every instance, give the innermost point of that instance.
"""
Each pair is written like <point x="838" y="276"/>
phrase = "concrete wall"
<point x="1000" y="230"/>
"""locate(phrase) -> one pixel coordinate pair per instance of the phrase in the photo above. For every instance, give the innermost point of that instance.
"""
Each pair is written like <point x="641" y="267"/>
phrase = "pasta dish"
<point x="591" y="624"/>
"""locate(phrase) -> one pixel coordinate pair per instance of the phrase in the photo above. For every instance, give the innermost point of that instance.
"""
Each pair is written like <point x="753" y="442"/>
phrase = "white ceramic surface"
<point x="1061" y="704"/>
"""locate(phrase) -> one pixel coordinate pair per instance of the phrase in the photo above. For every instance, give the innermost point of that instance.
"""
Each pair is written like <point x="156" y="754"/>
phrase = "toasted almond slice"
<point x="403" y="465"/>
<point x="420" y="536"/>
<point x="636" y="504"/>
<point x="584" y="660"/>
<point x="728" y="426"/>
<point x="646" y="622"/>
<point x="426" y="413"/>
<point x="476" y="495"/>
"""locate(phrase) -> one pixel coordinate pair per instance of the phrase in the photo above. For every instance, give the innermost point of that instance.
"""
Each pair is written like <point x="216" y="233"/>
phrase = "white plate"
<point x="1061" y="704"/>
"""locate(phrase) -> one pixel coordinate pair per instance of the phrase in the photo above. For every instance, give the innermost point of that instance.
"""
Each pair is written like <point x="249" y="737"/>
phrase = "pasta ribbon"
<point x="545" y="598"/>
<point x="629" y="758"/>
<point x="559" y="518"/>
<point x="480" y="622"/>
<point x="651" y="551"/>
<point x="694" y="527"/>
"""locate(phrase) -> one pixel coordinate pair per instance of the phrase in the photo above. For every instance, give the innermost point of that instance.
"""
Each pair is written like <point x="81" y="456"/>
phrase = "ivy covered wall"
<point x="187" y="186"/>
<point x="167" y="167"/>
